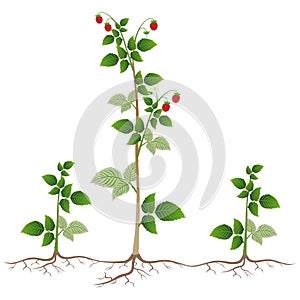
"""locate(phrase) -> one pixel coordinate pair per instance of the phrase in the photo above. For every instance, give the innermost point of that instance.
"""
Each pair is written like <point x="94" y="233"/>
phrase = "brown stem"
<point x="136" y="243"/>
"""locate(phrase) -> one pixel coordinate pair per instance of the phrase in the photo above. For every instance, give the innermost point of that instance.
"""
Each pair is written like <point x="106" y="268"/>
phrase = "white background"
<point x="242" y="57"/>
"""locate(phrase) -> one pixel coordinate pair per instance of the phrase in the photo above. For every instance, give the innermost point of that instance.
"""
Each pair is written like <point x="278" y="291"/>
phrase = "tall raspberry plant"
<point x="141" y="134"/>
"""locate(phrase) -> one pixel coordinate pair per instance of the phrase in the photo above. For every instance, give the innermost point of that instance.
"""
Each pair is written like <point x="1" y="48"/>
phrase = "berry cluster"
<point x="175" y="99"/>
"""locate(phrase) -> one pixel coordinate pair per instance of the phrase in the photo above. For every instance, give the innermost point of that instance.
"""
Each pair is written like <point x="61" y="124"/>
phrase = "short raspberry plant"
<point x="53" y="228"/>
<point x="141" y="131"/>
<point x="242" y="231"/>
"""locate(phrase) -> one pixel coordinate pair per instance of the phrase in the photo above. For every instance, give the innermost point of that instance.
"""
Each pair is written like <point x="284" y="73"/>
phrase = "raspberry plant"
<point x="242" y="232"/>
<point x="141" y="132"/>
<point x="53" y="228"/>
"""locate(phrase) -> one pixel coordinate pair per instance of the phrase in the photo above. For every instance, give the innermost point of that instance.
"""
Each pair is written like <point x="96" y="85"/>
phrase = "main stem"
<point x="56" y="226"/>
<point x="136" y="242"/>
<point x="246" y="229"/>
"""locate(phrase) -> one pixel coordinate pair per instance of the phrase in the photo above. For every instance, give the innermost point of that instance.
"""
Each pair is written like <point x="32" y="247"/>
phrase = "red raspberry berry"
<point x="107" y="27"/>
<point x="99" y="19"/>
<point x="176" y="98"/>
<point x="153" y="25"/>
<point x="166" y="106"/>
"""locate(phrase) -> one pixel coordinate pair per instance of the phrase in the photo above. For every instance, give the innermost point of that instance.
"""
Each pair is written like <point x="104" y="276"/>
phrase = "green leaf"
<point x="68" y="165"/>
<point x="109" y="39"/>
<point x="139" y="126"/>
<point x="134" y="139"/>
<point x="64" y="173"/>
<point x="143" y="90"/>
<point x="117" y="100"/>
<point x="65" y="205"/>
<point x="165" y="121"/>
<point x="49" y="224"/>
<point x="119" y="41"/>
<point x="135" y="55"/>
<point x="124" y="126"/>
<point x="68" y="234"/>
<point x="237" y="241"/>
<point x="253" y="176"/>
<point x="153" y="122"/>
<point x="139" y="78"/>
<point x="34" y="228"/>
<point x="268" y="201"/>
<point x="148" y="101"/>
<point x="248" y="170"/>
<point x="253" y="207"/>
<point x="77" y="227"/>
<point x="131" y="44"/>
<point x="251" y="226"/>
<point x="115" y="32"/>
<point x="80" y="198"/>
<point x="237" y="227"/>
<point x="120" y="188"/>
<point x="254" y="196"/>
<point x="62" y="223"/>
<point x="48" y="239"/>
<point x="131" y="96"/>
<point x="146" y="45"/>
<point x="124" y="22"/>
<point x="118" y="26"/>
<point x="66" y="192"/>
<point x="266" y="231"/>
<point x="168" y="211"/>
<point x="107" y="177"/>
<point x="152" y="79"/>
<point x="148" y="135"/>
<point x="124" y="64"/>
<point x="223" y="232"/>
<point x="256" y="236"/>
<point x="157" y="113"/>
<point x="161" y="143"/>
<point x="243" y="194"/>
<point x="250" y="186"/>
<point x="130" y="172"/>
<point x="149" y="109"/>
<point x="50" y="179"/>
<point x="109" y="60"/>
<point x="126" y="106"/>
<point x="123" y="29"/>
<point x="54" y="191"/>
<point x="155" y="105"/>
<point x="149" y="224"/>
<point x="239" y="183"/>
<point x="151" y="147"/>
<point x="148" y="204"/>
<point x="121" y="52"/>
<point x="257" y="168"/>
<point x="59" y="167"/>
<point x="61" y="182"/>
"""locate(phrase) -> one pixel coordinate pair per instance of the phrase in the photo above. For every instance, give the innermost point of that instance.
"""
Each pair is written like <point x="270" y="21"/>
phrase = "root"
<point x="239" y="267"/>
<point x="46" y="265"/>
